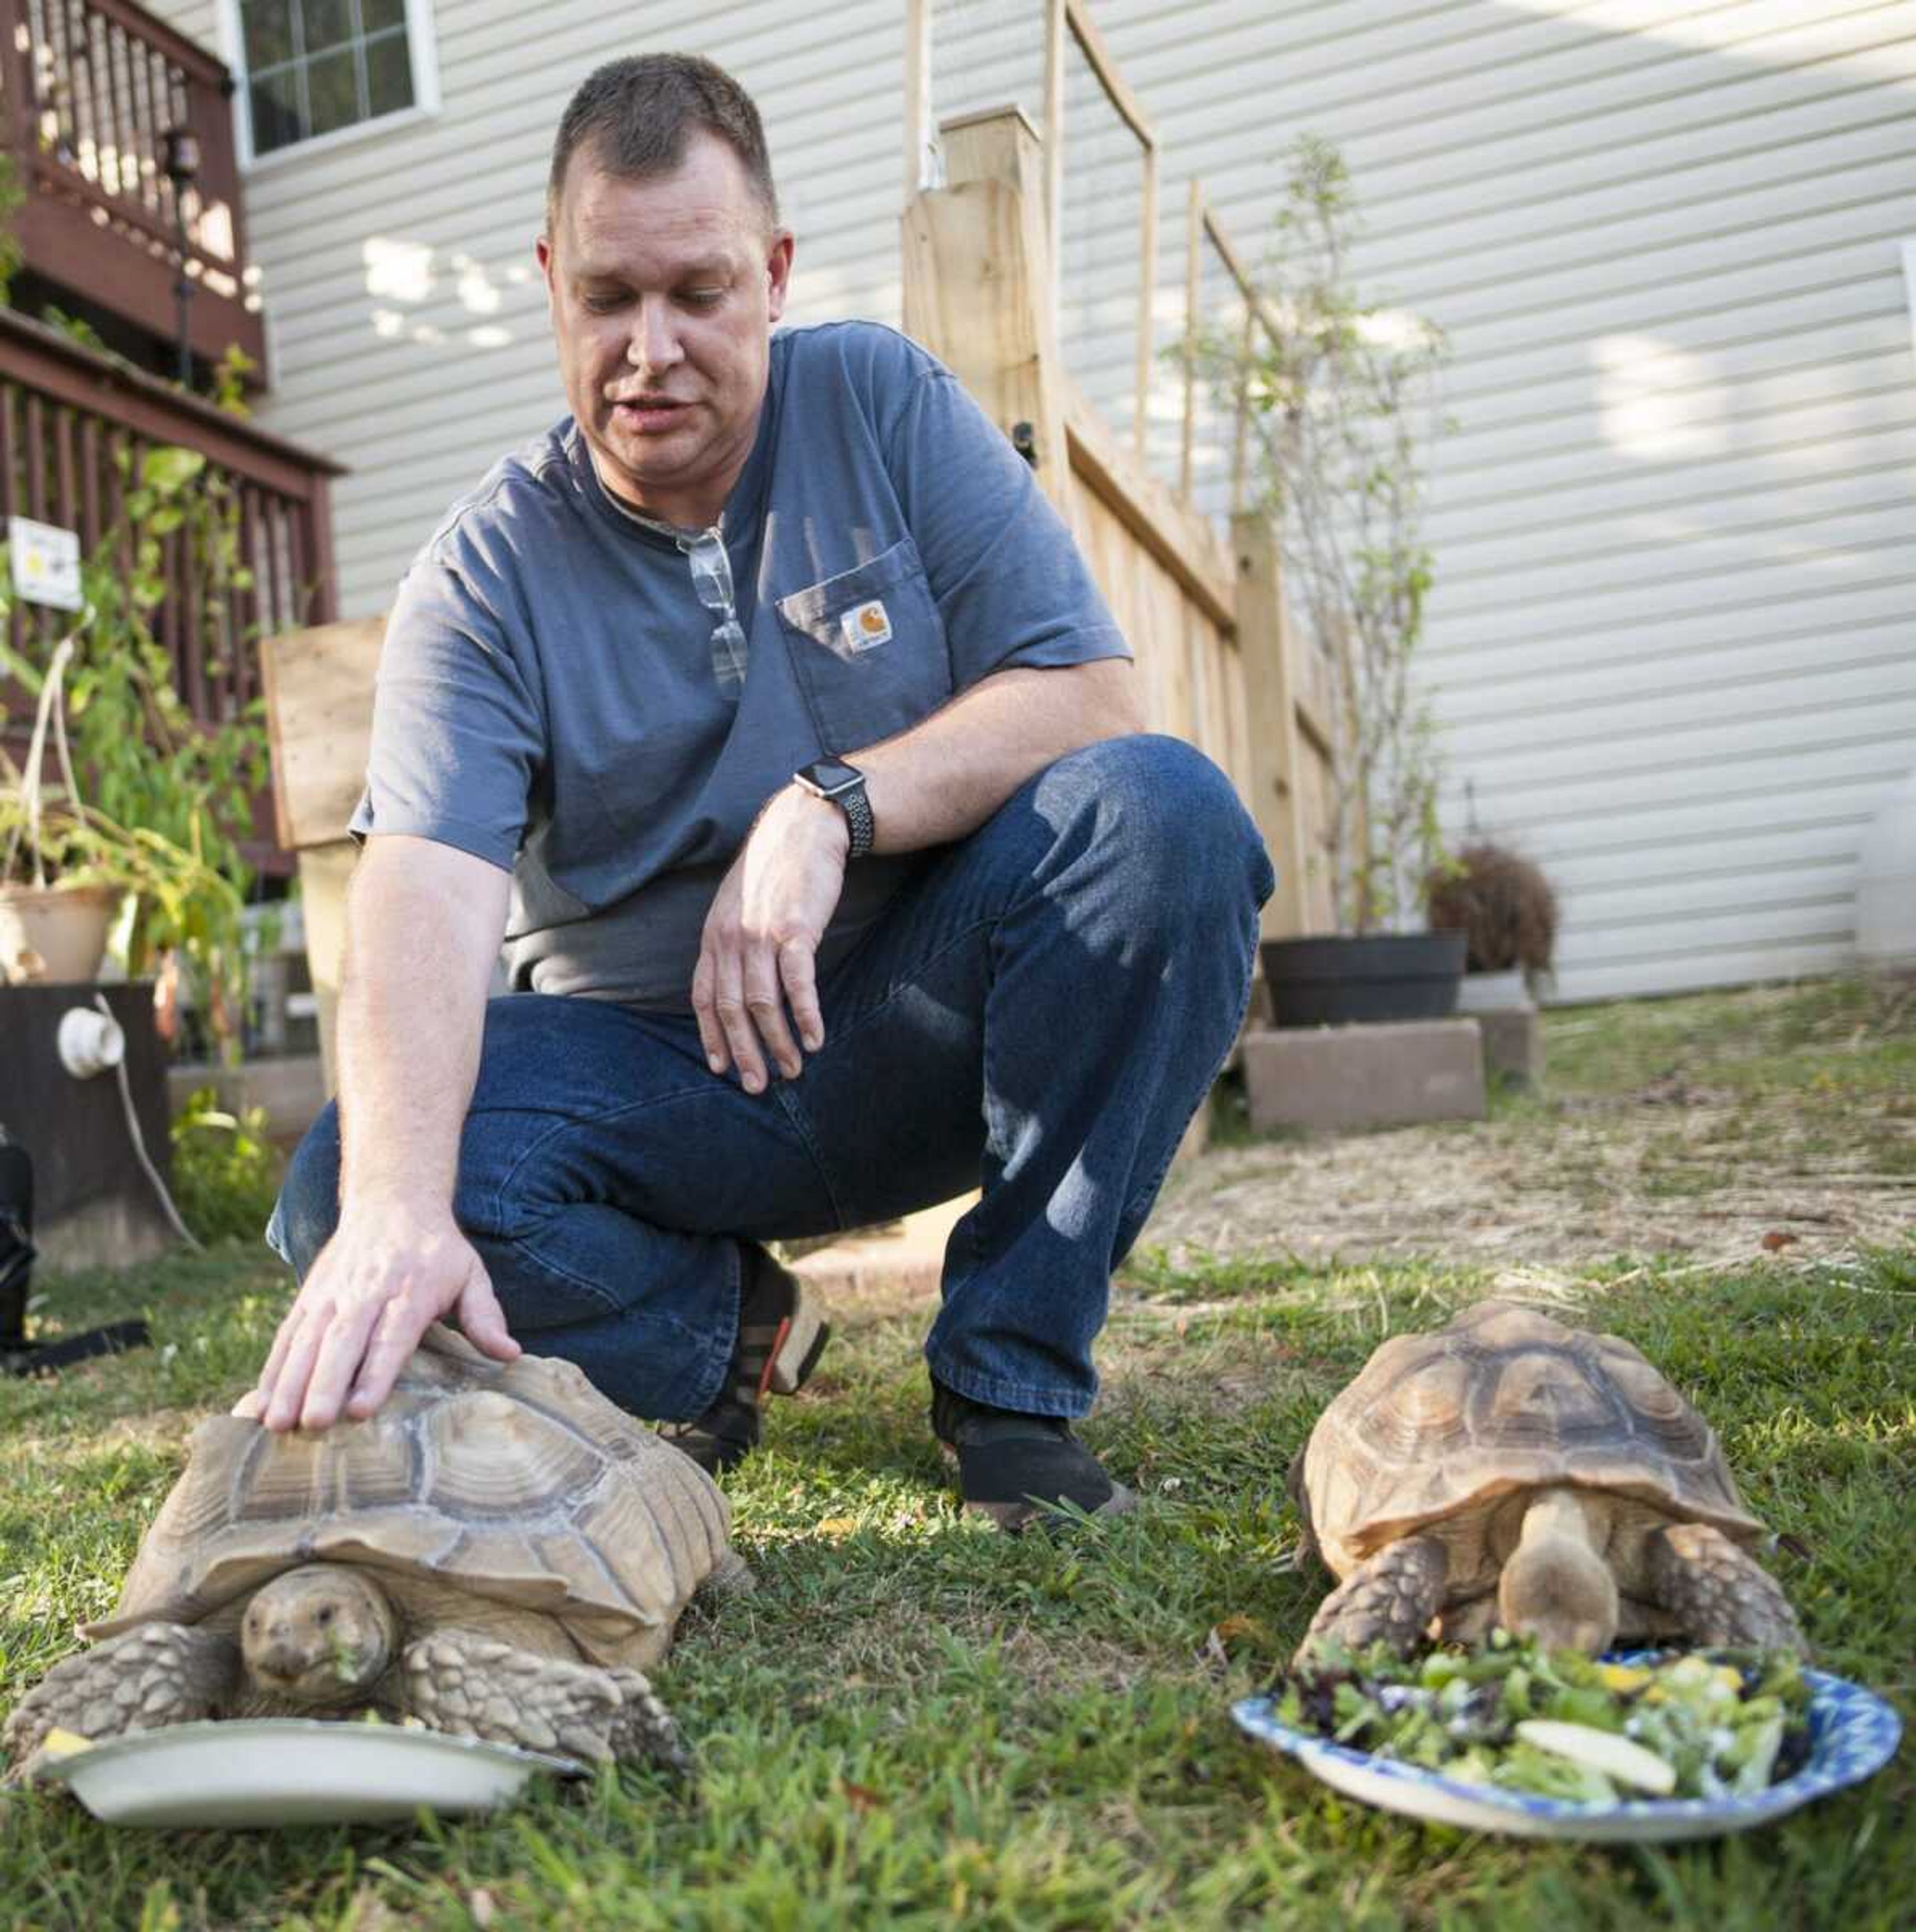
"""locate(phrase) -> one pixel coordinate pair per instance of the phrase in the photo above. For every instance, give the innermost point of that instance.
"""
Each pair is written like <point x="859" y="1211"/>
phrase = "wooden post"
<point x="1277" y="799"/>
<point x="918" y="92"/>
<point x="977" y="284"/>
<point x="1147" y="299"/>
<point x="319" y="689"/>
<point x="1054" y="33"/>
<point x="1193" y="296"/>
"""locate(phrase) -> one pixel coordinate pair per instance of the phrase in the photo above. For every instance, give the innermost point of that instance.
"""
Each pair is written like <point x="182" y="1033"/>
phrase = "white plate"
<point x="1853" y="1733"/>
<point x="293" y="1770"/>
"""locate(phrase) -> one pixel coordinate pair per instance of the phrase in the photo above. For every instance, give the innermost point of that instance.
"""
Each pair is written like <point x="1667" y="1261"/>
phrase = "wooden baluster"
<point x="35" y="453"/>
<point x="67" y="505"/>
<point x="9" y="494"/>
<point x="298" y="564"/>
<point x="86" y="115"/>
<point x="280" y="616"/>
<point x="91" y="457"/>
<point x="319" y="513"/>
<point x="139" y="87"/>
<point x="188" y="586"/>
<point x="246" y="627"/>
<point x="126" y="169"/>
<point x="100" y="99"/>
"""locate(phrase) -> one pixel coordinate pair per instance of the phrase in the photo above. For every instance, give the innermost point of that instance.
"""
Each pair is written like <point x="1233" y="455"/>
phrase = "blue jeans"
<point x="1038" y="1014"/>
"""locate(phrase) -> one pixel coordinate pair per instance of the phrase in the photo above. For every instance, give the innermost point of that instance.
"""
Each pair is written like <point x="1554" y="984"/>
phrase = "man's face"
<point x="662" y="293"/>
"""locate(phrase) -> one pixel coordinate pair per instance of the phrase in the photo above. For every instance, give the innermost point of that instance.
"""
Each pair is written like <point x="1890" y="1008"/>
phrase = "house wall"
<point x="1671" y="643"/>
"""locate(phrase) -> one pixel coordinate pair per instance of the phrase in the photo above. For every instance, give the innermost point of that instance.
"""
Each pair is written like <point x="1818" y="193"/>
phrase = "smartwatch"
<point x="843" y="785"/>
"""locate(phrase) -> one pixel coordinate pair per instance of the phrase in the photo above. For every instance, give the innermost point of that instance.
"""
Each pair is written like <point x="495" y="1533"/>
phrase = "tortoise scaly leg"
<point x="476" y="1686"/>
<point x="644" y="1727"/>
<point x="731" y="1577"/>
<point x="142" y="1680"/>
<point x="1719" y="1594"/>
<point x="1390" y="1598"/>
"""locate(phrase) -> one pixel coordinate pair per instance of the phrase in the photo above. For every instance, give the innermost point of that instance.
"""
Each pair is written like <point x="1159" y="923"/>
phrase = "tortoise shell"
<point x="1441" y="1425"/>
<point x="516" y="1482"/>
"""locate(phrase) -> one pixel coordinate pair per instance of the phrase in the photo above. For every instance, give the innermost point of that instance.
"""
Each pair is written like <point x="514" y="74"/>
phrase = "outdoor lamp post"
<point x="179" y="161"/>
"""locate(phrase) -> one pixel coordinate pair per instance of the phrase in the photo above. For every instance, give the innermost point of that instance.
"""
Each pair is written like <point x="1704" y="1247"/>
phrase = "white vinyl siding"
<point x="1673" y="638"/>
<point x="1671" y="641"/>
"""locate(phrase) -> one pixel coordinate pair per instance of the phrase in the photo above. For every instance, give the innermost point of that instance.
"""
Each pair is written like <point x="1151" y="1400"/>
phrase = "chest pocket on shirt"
<point x="868" y="649"/>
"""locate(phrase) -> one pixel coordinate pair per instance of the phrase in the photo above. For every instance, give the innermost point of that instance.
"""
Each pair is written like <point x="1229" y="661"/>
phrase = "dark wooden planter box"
<point x="94" y="1208"/>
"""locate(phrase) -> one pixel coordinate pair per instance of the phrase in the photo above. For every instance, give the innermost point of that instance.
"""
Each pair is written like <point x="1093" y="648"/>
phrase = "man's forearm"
<point x="944" y="778"/>
<point x="412" y="1013"/>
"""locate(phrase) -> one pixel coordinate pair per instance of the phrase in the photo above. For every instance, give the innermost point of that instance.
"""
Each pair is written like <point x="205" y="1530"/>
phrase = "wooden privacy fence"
<point x="1220" y="664"/>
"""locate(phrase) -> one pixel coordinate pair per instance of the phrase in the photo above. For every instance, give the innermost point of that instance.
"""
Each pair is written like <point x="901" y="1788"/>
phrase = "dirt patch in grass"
<point x="1793" y="1134"/>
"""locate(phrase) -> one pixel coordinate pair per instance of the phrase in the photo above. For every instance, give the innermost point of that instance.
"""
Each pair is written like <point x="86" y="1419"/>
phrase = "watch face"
<point x="832" y="775"/>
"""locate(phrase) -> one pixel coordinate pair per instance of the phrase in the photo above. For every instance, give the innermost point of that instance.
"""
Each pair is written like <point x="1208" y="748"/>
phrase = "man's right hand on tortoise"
<point x="386" y="1275"/>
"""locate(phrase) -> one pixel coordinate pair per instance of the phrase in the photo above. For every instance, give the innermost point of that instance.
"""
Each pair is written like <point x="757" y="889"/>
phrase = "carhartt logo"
<point x="866" y="627"/>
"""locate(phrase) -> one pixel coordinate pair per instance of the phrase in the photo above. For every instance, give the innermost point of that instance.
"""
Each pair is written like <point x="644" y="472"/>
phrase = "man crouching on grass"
<point x="764" y="710"/>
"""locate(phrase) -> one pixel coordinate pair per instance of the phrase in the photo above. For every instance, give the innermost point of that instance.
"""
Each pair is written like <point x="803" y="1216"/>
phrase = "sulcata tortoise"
<point x="1509" y="1471"/>
<point x="498" y="1552"/>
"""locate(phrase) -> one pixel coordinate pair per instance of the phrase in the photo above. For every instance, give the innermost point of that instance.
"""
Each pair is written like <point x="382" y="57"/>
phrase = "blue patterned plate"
<point x="1853" y="1734"/>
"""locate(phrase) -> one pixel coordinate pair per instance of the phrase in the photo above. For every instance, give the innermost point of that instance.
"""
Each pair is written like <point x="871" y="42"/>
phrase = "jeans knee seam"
<point x="570" y="1123"/>
<point x="795" y="1113"/>
<point x="893" y="991"/>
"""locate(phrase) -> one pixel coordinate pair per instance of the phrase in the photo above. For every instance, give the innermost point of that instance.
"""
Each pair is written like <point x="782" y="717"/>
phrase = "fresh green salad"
<point x="1709" y="1724"/>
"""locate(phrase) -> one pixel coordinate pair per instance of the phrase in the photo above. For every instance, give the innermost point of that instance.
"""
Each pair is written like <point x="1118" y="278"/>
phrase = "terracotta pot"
<point x="57" y="935"/>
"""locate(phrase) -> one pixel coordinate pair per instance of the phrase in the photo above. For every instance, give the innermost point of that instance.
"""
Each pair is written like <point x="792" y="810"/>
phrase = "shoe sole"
<point x="801" y="1340"/>
<point x="1012" y="1517"/>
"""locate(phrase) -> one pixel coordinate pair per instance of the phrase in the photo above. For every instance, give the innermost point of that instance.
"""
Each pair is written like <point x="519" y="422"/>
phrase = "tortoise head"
<point x="322" y="1635"/>
<point x="1555" y="1586"/>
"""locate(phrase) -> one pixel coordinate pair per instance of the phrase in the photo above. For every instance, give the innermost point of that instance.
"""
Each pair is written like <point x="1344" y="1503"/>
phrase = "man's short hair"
<point x="637" y="115"/>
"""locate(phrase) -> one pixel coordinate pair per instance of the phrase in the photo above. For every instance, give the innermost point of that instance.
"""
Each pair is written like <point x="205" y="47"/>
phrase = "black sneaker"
<point x="1013" y="1467"/>
<point x="781" y="1335"/>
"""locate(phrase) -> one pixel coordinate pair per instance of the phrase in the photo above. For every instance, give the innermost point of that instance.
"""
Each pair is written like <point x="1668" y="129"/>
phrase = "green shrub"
<point x="226" y="1172"/>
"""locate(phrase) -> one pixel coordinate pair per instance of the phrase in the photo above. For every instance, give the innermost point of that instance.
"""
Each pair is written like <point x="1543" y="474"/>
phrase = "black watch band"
<point x="843" y="785"/>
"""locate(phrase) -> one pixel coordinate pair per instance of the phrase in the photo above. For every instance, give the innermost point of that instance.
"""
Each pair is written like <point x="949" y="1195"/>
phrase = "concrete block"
<point x="291" y="1091"/>
<point x="1365" y="1076"/>
<point x="1512" y="1044"/>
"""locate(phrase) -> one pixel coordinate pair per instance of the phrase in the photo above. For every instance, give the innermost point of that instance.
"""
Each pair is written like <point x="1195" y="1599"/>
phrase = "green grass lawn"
<point x="916" y="1722"/>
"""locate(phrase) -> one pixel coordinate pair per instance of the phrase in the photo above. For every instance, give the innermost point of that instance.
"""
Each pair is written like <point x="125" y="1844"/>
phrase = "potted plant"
<point x="1507" y="910"/>
<point x="1344" y="394"/>
<point x="150" y="802"/>
<point x="54" y="914"/>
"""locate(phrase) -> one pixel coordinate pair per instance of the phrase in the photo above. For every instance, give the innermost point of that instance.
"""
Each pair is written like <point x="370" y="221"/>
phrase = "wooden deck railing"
<point x="67" y="414"/>
<point x="88" y="88"/>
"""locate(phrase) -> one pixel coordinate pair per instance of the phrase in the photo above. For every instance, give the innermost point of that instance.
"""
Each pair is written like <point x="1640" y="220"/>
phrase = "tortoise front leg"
<point x="142" y="1680"/>
<point x="477" y="1687"/>
<point x="1390" y="1598"/>
<point x="644" y="1727"/>
<point x="1718" y="1594"/>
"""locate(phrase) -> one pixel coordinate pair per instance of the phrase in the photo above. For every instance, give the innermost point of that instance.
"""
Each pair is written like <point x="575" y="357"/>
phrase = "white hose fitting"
<point x="90" y="1042"/>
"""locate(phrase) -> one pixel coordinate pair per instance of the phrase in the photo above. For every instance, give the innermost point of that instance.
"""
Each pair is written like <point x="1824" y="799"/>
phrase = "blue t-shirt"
<point x="548" y="699"/>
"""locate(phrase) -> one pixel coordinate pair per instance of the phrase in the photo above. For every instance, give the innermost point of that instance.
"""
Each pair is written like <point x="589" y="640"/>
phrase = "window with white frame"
<point x="311" y="67"/>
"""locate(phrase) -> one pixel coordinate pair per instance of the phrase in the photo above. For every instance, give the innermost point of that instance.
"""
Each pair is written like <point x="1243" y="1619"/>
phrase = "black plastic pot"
<point x="1386" y="976"/>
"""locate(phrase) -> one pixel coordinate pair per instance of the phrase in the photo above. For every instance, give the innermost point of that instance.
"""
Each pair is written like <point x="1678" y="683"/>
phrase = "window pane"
<point x="275" y="99"/>
<point x="388" y="74"/>
<point x="328" y="24"/>
<point x="332" y="87"/>
<point x="268" y="25"/>
<point x="377" y="14"/>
